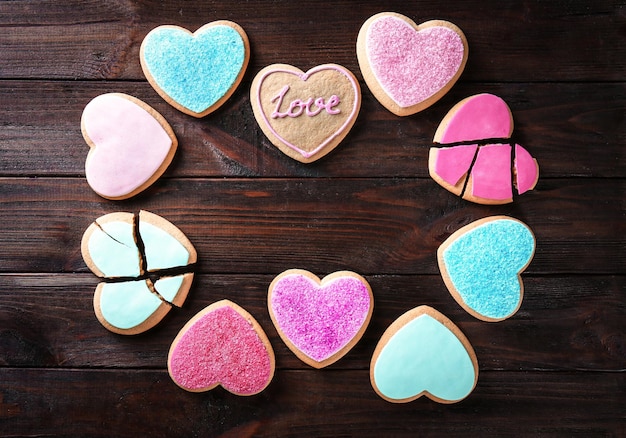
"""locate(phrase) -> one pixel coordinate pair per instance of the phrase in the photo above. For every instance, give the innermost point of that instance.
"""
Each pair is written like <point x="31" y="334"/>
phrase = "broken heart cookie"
<point x="481" y="265"/>
<point x="474" y="156"/>
<point x="406" y="66"/>
<point x="131" y="145"/>
<point x="195" y="72"/>
<point x="320" y="320"/>
<point x="146" y="266"/>
<point x="222" y="345"/>
<point x="423" y="353"/>
<point x="305" y="115"/>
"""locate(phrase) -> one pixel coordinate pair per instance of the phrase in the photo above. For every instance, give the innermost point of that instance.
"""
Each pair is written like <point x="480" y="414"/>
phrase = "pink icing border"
<point x="304" y="77"/>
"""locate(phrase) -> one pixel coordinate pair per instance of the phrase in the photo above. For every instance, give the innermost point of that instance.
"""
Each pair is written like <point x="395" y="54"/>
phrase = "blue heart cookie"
<point x="195" y="72"/>
<point x="423" y="353"/>
<point x="146" y="267"/>
<point x="481" y="265"/>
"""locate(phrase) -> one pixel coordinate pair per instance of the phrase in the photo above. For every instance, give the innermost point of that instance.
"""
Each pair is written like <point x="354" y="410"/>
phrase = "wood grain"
<point x="556" y="368"/>
<point x="100" y="40"/>
<point x="584" y="122"/>
<point x="48" y="321"/>
<point x="298" y="402"/>
<point x="366" y="225"/>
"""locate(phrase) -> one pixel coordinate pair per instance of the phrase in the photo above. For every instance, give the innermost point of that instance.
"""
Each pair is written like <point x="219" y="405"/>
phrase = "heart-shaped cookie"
<point x="146" y="265"/>
<point x="474" y="157"/>
<point x="305" y="115"/>
<point x="320" y="320"/>
<point x="408" y="67"/>
<point x="423" y="353"/>
<point x="131" y="145"/>
<point x="195" y="72"/>
<point x="222" y="345"/>
<point x="481" y="265"/>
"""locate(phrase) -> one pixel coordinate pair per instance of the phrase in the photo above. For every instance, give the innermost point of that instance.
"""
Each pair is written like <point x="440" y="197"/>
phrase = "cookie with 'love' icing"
<point x="320" y="320"/>
<point x="474" y="156"/>
<point x="423" y="353"/>
<point x="146" y="267"/>
<point x="195" y="72"/>
<point x="481" y="265"/>
<point x="131" y="145"/>
<point x="406" y="66"/>
<point x="222" y="345"/>
<point x="305" y="114"/>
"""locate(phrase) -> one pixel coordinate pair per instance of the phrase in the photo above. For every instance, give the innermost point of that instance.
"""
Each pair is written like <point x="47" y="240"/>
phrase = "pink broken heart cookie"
<point x="131" y="145"/>
<point x="408" y="67"/>
<point x="305" y="114"/>
<point x="146" y="266"/>
<point x="320" y="320"/>
<point x="222" y="345"/>
<point x="474" y="156"/>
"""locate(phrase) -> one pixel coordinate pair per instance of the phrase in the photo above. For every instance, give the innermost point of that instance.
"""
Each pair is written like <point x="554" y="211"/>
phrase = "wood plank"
<point x="584" y="122"/>
<point x="305" y="403"/>
<point x="565" y="323"/>
<point x="372" y="226"/>
<point x="530" y="41"/>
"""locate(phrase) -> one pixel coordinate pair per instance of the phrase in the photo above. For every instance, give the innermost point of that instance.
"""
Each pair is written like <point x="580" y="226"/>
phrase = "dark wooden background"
<point x="557" y="368"/>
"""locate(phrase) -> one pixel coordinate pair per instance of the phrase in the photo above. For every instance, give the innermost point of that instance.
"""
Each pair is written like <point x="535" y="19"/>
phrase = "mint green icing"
<point x="161" y="249"/>
<point x="113" y="250"/>
<point x="168" y="287"/>
<point x="126" y="305"/>
<point x="424" y="355"/>
<point x="484" y="263"/>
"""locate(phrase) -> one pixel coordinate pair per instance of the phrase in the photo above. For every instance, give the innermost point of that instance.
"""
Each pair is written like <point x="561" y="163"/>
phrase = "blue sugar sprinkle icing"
<point x="484" y="263"/>
<point x="194" y="70"/>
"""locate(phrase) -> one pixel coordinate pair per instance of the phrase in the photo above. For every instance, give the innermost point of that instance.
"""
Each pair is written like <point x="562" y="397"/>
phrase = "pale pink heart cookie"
<point x="474" y="157"/>
<point x="305" y="115"/>
<point x="320" y="320"/>
<point x="408" y="67"/>
<point x="222" y="345"/>
<point x="131" y="145"/>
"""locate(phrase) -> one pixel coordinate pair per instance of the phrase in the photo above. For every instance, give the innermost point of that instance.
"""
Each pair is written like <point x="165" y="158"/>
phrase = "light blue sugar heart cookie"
<point x="481" y="265"/>
<point x="423" y="353"/>
<point x="195" y="72"/>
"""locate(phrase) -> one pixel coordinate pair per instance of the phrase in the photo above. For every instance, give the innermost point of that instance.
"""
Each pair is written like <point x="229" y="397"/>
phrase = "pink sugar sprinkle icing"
<point x="221" y="347"/>
<point x="320" y="321"/>
<point x="412" y="65"/>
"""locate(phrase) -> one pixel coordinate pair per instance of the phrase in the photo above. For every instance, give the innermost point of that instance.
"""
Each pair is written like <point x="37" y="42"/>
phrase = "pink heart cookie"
<point x="305" y="115"/>
<point x="222" y="345"/>
<point x="474" y="156"/>
<point x="408" y="67"/>
<point x="131" y="145"/>
<point x="320" y="320"/>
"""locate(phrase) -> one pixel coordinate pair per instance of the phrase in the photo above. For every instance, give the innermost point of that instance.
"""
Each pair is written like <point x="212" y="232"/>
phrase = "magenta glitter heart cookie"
<point x="408" y="67"/>
<point x="320" y="320"/>
<point x="222" y="345"/>
<point x="305" y="115"/>
<point x="131" y="145"/>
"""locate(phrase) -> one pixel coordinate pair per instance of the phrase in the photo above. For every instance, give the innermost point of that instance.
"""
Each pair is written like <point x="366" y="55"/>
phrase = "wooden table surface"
<point x="556" y="368"/>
